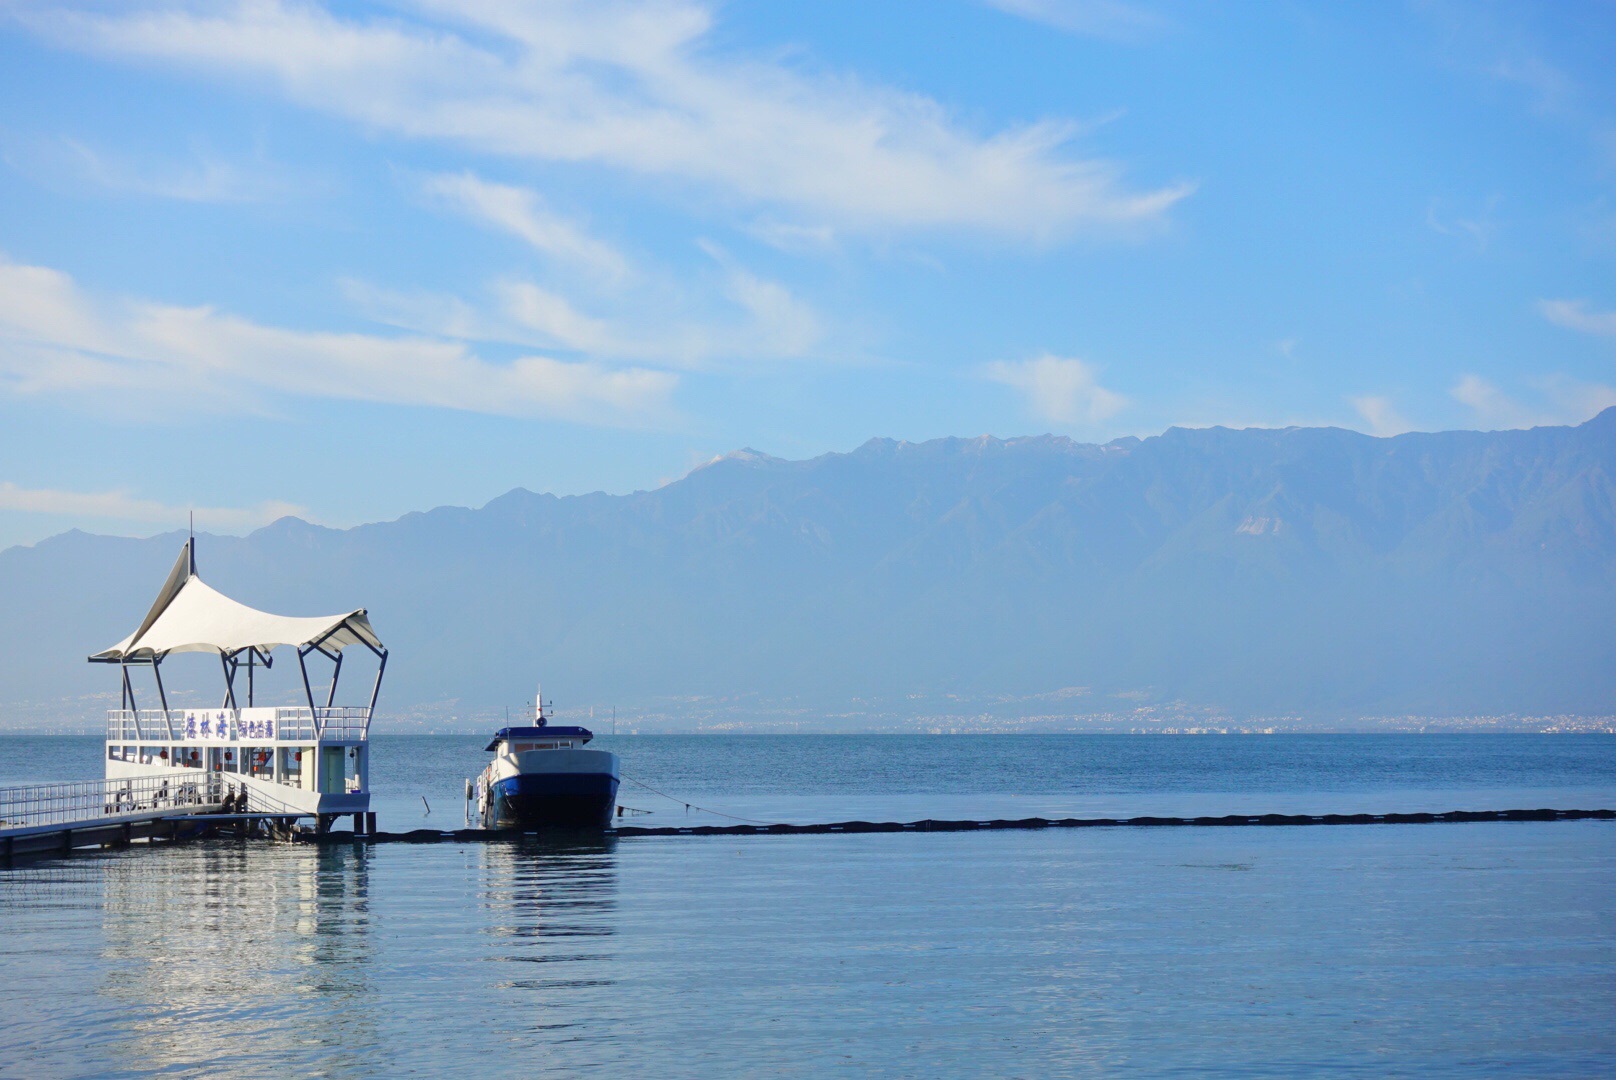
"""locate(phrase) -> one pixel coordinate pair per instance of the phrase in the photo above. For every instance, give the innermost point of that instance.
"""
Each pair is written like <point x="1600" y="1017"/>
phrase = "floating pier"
<point x="63" y="817"/>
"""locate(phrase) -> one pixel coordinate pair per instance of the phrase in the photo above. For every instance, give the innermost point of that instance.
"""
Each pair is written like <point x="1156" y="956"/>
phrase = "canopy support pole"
<point x="336" y="673"/>
<point x="157" y="671"/>
<point x="308" y="692"/>
<point x="375" y="691"/>
<point x="252" y="655"/>
<point x="128" y="690"/>
<point x="229" y="666"/>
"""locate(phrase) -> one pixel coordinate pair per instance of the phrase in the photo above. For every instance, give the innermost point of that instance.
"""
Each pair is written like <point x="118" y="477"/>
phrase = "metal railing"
<point x="334" y="724"/>
<point x="269" y="724"/>
<point x="91" y="802"/>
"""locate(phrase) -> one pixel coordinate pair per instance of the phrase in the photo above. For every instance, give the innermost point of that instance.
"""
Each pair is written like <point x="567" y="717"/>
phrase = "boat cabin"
<point x="518" y="740"/>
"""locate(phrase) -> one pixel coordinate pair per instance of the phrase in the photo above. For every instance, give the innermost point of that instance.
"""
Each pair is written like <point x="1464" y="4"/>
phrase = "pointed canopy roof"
<point x="191" y="616"/>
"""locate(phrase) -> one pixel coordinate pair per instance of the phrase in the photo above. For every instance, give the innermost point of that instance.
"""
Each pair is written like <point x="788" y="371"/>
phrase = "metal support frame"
<point x="308" y="691"/>
<point x="256" y="656"/>
<point x="157" y="672"/>
<point x="376" y="689"/>
<point x="128" y="691"/>
<point x="336" y="673"/>
<point x="229" y="663"/>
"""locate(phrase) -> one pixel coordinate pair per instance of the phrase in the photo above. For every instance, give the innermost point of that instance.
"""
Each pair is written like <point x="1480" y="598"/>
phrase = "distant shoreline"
<point x="1550" y="726"/>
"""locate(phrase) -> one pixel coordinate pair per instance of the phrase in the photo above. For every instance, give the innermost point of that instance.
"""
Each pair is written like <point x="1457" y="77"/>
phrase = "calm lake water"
<point x="1462" y="950"/>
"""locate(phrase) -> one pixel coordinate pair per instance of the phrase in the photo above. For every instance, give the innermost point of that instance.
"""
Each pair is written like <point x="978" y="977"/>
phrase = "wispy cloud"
<point x="1576" y="315"/>
<point x="1109" y="19"/>
<point x="57" y="340"/>
<point x="1503" y="42"/>
<point x="1551" y="88"/>
<point x="643" y="89"/>
<point x="698" y="322"/>
<point x="1477" y="228"/>
<point x="554" y="319"/>
<point x="793" y="237"/>
<point x="1381" y="416"/>
<point x="1063" y="390"/>
<point x="121" y="506"/>
<point x="1492" y="407"/>
<point x="522" y="213"/>
<point x="1561" y="401"/>
<point x="200" y="176"/>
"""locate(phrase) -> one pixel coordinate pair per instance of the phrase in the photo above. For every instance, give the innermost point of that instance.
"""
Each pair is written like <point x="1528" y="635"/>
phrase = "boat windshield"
<point x="523" y="747"/>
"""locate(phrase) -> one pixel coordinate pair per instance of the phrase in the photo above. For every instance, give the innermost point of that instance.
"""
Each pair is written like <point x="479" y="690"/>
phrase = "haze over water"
<point x="1442" y="949"/>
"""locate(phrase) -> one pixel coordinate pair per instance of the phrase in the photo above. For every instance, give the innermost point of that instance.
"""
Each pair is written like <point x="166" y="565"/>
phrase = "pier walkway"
<point x="60" y="817"/>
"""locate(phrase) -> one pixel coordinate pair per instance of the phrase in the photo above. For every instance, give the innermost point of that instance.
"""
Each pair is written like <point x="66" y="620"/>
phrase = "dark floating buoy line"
<point x="430" y="836"/>
<point x="163" y="832"/>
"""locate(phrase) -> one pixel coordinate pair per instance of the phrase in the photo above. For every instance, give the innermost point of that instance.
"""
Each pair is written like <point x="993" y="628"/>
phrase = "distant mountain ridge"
<point x="1302" y="571"/>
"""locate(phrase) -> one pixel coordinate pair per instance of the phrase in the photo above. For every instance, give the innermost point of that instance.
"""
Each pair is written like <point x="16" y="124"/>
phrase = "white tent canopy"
<point x="191" y="616"/>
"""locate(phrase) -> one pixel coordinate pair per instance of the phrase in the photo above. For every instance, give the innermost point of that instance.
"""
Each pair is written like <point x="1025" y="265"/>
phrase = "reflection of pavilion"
<point x="224" y="959"/>
<point x="211" y="950"/>
<point x="311" y="759"/>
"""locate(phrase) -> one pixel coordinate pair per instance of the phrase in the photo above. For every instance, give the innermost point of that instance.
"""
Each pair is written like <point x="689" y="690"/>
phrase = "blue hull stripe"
<point x="579" y="800"/>
<point x="556" y="784"/>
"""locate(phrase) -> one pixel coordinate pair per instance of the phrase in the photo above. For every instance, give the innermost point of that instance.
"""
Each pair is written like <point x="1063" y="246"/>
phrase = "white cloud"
<point x="200" y="175"/>
<point x="641" y="88"/>
<point x="56" y="340"/>
<point x="1553" y="89"/>
<point x="781" y="324"/>
<point x="124" y="507"/>
<point x="1478" y="229"/>
<point x="1059" y="389"/>
<point x="427" y="312"/>
<point x="787" y="326"/>
<point x="522" y="213"/>
<point x="555" y="319"/>
<point x="1575" y="315"/>
<point x="794" y="238"/>
<point x="1091" y="18"/>
<point x="1381" y="416"/>
<point x="1564" y="401"/>
<point x="1493" y="408"/>
<point x="651" y="322"/>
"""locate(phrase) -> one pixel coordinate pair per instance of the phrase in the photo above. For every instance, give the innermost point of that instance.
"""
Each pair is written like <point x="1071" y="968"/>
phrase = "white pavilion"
<point x="309" y="759"/>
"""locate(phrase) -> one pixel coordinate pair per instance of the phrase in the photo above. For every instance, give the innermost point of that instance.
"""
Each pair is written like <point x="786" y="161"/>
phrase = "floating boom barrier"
<point x="200" y="823"/>
<point x="933" y="825"/>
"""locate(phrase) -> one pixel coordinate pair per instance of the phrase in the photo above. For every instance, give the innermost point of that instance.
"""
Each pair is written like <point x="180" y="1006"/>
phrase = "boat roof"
<point x="546" y="732"/>
<point x="191" y="616"/>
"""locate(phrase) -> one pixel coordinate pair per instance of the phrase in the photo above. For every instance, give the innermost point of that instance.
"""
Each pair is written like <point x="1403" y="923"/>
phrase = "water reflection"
<point x="208" y="950"/>
<point x="289" y="959"/>
<point x="551" y="903"/>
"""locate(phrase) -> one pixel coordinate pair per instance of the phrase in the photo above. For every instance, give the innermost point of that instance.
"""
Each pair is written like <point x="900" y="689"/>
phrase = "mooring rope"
<point x="693" y="806"/>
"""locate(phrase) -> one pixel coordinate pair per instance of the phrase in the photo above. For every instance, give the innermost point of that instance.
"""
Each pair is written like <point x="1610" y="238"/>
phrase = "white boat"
<point x="308" y="759"/>
<point x="542" y="776"/>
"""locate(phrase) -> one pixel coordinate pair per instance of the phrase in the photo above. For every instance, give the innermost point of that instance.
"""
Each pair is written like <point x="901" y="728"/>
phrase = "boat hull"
<point x="567" y="800"/>
<point x="552" y="788"/>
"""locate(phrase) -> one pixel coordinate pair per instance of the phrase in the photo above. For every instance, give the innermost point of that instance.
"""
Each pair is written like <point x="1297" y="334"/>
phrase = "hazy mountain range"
<point x="1301" y="572"/>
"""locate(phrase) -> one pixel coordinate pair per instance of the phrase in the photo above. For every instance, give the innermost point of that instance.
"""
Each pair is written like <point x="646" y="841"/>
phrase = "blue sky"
<point x="347" y="261"/>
